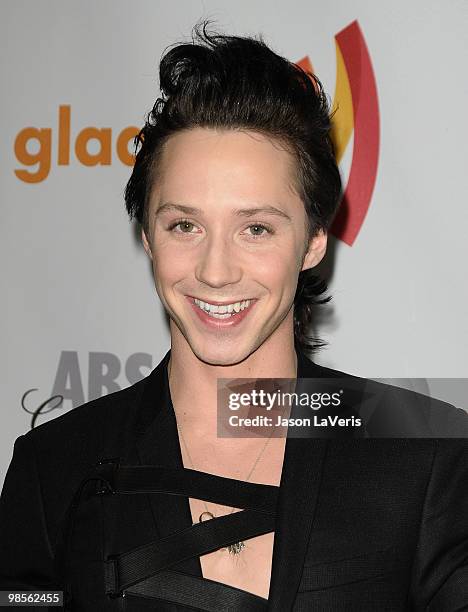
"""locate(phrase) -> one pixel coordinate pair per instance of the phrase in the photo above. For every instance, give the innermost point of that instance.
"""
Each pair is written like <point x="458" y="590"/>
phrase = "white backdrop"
<point x="77" y="286"/>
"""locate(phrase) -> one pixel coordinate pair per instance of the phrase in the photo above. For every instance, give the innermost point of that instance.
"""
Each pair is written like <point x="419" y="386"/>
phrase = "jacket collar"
<point x="158" y="443"/>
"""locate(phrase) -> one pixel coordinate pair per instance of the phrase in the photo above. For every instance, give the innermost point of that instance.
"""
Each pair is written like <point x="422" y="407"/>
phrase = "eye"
<point x="260" y="226"/>
<point x="184" y="223"/>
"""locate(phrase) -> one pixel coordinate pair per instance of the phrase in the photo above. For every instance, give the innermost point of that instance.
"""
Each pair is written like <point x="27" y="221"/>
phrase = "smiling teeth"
<point x="222" y="312"/>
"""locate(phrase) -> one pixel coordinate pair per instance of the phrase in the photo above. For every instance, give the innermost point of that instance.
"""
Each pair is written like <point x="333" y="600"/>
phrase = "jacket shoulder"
<point x="395" y="411"/>
<point x="72" y="443"/>
<point x="107" y="411"/>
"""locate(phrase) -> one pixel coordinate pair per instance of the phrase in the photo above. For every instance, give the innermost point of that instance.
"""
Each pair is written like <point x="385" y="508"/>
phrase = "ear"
<point x="146" y="244"/>
<point x="315" y="251"/>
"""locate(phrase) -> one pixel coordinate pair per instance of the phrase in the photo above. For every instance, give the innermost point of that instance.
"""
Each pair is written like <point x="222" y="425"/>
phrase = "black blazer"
<point x="361" y="524"/>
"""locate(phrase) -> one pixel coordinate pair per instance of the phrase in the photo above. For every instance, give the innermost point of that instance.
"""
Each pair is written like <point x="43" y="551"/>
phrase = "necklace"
<point x="235" y="548"/>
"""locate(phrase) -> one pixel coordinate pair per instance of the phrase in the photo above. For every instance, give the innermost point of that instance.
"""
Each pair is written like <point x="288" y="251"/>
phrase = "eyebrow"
<point x="240" y="212"/>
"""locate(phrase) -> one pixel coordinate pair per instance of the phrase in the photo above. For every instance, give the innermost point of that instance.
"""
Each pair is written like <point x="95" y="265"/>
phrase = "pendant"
<point x="233" y="549"/>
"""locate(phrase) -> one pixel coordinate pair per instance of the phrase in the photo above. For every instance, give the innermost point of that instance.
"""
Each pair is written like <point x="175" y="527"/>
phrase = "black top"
<point x="169" y="568"/>
<point x="95" y="502"/>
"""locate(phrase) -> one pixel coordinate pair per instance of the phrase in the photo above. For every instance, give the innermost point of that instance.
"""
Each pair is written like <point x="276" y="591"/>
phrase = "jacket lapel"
<point x="158" y="444"/>
<point x="300" y="482"/>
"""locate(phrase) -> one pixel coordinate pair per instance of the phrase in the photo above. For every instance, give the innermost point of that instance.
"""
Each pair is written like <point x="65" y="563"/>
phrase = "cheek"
<point x="276" y="270"/>
<point x="171" y="263"/>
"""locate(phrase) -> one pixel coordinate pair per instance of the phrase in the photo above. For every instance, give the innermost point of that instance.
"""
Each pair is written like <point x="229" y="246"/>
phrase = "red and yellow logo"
<point x="357" y="111"/>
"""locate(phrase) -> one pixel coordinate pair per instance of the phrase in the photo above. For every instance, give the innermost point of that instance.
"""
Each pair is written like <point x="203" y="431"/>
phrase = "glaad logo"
<point x="356" y="113"/>
<point x="103" y="371"/>
<point x="42" y="138"/>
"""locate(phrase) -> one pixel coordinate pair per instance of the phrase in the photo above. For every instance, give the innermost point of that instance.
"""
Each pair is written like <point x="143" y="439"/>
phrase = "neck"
<point x="193" y="382"/>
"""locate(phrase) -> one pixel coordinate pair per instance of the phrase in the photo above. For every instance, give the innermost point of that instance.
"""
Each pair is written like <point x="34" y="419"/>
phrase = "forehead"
<point x="230" y="164"/>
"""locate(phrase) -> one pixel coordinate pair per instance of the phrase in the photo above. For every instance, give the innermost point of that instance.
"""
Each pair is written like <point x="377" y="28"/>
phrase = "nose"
<point x="217" y="264"/>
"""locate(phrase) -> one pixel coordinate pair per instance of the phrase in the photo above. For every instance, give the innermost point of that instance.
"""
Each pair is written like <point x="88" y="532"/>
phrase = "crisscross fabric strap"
<point x="134" y="566"/>
<point x="197" y="593"/>
<point x="131" y="567"/>
<point x="128" y="479"/>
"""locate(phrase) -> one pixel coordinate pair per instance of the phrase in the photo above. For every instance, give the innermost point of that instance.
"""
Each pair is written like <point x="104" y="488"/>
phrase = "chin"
<point x="220" y="355"/>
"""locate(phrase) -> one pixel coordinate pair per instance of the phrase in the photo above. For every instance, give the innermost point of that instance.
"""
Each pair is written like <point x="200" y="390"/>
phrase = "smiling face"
<point x="206" y="242"/>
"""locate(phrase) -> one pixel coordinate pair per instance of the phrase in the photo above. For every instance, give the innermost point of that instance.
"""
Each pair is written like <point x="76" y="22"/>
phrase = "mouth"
<point x="222" y="313"/>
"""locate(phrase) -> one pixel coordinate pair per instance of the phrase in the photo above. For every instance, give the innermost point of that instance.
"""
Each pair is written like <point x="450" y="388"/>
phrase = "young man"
<point x="235" y="185"/>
